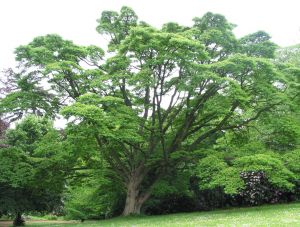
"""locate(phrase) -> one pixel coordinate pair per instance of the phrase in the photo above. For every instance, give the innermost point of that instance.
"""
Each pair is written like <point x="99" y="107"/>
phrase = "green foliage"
<point x="213" y="171"/>
<point x="289" y="55"/>
<point x="15" y="169"/>
<point x="28" y="133"/>
<point x="258" y="44"/>
<point x="83" y="203"/>
<point x="97" y="197"/>
<point x="110" y="117"/>
<point x="291" y="160"/>
<point x="30" y="180"/>
<point x="49" y="62"/>
<point x="275" y="170"/>
<point x="29" y="97"/>
<point x="171" y="194"/>
<point x="117" y="25"/>
<point x="176" y="182"/>
<point x="215" y="32"/>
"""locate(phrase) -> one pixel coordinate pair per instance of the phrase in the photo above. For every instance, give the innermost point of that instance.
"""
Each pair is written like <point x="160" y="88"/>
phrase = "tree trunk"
<point x="132" y="205"/>
<point x="19" y="221"/>
<point x="134" y="199"/>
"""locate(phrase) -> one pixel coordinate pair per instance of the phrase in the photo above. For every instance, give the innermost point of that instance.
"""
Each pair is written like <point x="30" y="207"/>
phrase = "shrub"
<point x="258" y="190"/>
<point x="171" y="203"/>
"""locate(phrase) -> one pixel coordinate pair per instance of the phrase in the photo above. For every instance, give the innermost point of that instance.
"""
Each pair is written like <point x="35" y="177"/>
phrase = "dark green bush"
<point x="171" y="203"/>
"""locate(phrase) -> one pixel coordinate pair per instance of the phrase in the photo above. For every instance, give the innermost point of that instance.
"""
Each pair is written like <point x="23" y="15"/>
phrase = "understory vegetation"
<point x="164" y="120"/>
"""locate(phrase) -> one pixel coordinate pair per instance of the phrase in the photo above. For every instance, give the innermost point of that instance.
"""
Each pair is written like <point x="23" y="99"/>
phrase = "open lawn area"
<point x="269" y="215"/>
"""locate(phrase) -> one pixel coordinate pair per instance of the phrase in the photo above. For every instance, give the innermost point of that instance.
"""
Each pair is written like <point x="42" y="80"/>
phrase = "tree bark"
<point x="134" y="199"/>
<point x="132" y="205"/>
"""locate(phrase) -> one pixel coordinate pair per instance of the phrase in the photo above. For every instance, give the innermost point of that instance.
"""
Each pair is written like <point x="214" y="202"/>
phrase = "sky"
<point x="22" y="20"/>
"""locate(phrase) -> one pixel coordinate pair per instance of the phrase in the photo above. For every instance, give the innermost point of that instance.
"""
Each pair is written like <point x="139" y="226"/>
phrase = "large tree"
<point x="159" y="95"/>
<point x="172" y="89"/>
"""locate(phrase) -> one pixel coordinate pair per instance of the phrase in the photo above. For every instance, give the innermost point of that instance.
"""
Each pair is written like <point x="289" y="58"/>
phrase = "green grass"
<point x="269" y="215"/>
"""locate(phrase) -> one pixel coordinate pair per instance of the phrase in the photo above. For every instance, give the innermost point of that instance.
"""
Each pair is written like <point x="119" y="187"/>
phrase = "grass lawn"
<point x="269" y="215"/>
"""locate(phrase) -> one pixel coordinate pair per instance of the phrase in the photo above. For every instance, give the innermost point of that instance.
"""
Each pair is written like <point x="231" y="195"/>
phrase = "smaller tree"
<point x="31" y="179"/>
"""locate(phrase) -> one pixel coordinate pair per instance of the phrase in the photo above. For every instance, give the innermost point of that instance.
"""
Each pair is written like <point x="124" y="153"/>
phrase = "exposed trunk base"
<point x="19" y="221"/>
<point x="134" y="199"/>
<point x="132" y="207"/>
<point x="133" y="203"/>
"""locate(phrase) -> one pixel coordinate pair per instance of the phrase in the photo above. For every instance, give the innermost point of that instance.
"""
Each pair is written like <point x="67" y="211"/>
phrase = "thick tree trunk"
<point x="132" y="205"/>
<point x="134" y="199"/>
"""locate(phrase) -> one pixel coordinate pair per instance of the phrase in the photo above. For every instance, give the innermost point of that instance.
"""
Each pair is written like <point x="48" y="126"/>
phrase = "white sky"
<point x="22" y="20"/>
